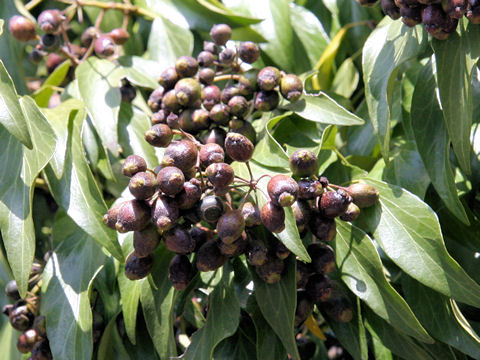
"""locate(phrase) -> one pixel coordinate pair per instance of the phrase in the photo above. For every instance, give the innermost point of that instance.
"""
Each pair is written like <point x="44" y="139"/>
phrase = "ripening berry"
<point x="210" y="47"/>
<point x="238" y="147"/>
<point x="363" y="195"/>
<point x="266" y="100"/>
<point x="206" y="76"/>
<point x="309" y="189"/>
<point x="334" y="203"/>
<point x="268" y="78"/>
<point x="133" y="215"/>
<point x="110" y="218"/>
<point x="291" y="87"/>
<point x="226" y="56"/>
<point x="170" y="180"/>
<point x="188" y="91"/>
<point x="339" y="308"/>
<point x="236" y="248"/>
<point x="104" y="46"/>
<point x="251" y="214"/>
<point x="133" y="164"/>
<point x="119" y="36"/>
<point x="210" y="154"/>
<point x="249" y="52"/>
<point x="220" y="33"/>
<point x="186" y="66"/>
<point x="282" y="190"/>
<point x="303" y="272"/>
<point x="351" y="213"/>
<point x="159" y="135"/>
<point x="210" y="96"/>
<point x="168" y="78"/>
<point x="88" y="36"/>
<point x="205" y="59"/>
<point x="220" y="175"/>
<point x="165" y="213"/>
<point x="238" y="106"/>
<point x="27" y="341"/>
<point x="257" y="252"/>
<point x="230" y="226"/>
<point x="273" y="217"/>
<point x="21" y="28"/>
<point x="216" y="136"/>
<point x="302" y="212"/>
<point x="181" y="154"/>
<point x="49" y="21"/>
<point x="180" y="272"/>
<point x="200" y="119"/>
<point x="303" y="163"/>
<point x="219" y="114"/>
<point x="155" y="99"/>
<point x="190" y="195"/>
<point x="142" y="185"/>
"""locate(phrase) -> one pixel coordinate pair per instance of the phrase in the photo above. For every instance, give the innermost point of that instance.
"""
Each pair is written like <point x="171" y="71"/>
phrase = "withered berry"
<point x="170" y="180"/>
<point x="238" y="147"/>
<point x="271" y="270"/>
<point x="319" y="287"/>
<point x="146" y="241"/>
<point x="142" y="185"/>
<point x="221" y="33"/>
<point x="180" y="272"/>
<point x="21" y="28"/>
<point x="309" y="189"/>
<point x="186" y="66"/>
<point x="249" y="52"/>
<point x="230" y="226"/>
<point x="282" y="190"/>
<point x="137" y="268"/>
<point x="273" y="217"/>
<point x="323" y="258"/>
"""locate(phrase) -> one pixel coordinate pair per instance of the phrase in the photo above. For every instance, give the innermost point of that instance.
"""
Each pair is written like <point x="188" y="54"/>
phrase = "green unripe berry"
<point x="363" y="194"/>
<point x="188" y="91"/>
<point x="291" y="87"/>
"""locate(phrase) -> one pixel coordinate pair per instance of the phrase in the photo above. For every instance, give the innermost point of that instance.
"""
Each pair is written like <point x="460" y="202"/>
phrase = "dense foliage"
<point x="307" y="189"/>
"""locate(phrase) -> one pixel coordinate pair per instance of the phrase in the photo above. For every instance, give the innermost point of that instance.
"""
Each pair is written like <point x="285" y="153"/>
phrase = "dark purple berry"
<point x="11" y="290"/>
<point x="137" y="268"/>
<point x="249" y="52"/>
<point x="323" y="228"/>
<point x="211" y="208"/>
<point x="268" y="78"/>
<point x="271" y="270"/>
<point x="230" y="226"/>
<point x="390" y="9"/>
<point x="133" y="164"/>
<point x="21" y="28"/>
<point x="170" y="180"/>
<point x="165" y="213"/>
<point x="27" y="341"/>
<point x="159" y="135"/>
<point x="110" y="218"/>
<point x="190" y="194"/>
<point x="181" y="154"/>
<point x="220" y="175"/>
<point x="282" y="190"/>
<point x="49" y="21"/>
<point x="219" y="114"/>
<point x="334" y="203"/>
<point x="302" y="212"/>
<point x="238" y="147"/>
<point x="226" y="56"/>
<point x="146" y="241"/>
<point x="303" y="163"/>
<point x="206" y="76"/>
<point x="323" y="258"/>
<point x="168" y="78"/>
<point x="209" y="257"/>
<point x="205" y="59"/>
<point x="155" y="99"/>
<point x="266" y="100"/>
<point x="180" y="272"/>
<point x="133" y="215"/>
<point x="251" y="214"/>
<point x="220" y="33"/>
<point x="273" y="217"/>
<point x="179" y="240"/>
<point x="142" y="185"/>
<point x="210" y="154"/>
<point x="309" y="189"/>
<point x="319" y="287"/>
<point x="210" y="96"/>
<point x="304" y="307"/>
<point x="186" y="66"/>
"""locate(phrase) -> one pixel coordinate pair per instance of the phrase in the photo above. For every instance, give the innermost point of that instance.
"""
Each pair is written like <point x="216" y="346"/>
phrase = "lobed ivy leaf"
<point x="323" y="109"/>
<point x="277" y="302"/>
<point x="42" y="95"/>
<point x="65" y="291"/>
<point x="11" y="115"/>
<point x="388" y="46"/>
<point x="448" y="325"/>
<point x="75" y="189"/>
<point x="158" y="300"/>
<point x="222" y="319"/>
<point x="20" y="167"/>
<point x="396" y="341"/>
<point x="455" y="61"/>
<point x="409" y="233"/>
<point x="103" y="104"/>
<point x="362" y="271"/>
<point x="433" y="141"/>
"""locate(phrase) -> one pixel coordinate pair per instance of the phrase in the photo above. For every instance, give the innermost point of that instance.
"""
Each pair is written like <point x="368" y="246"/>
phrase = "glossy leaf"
<point x="168" y="41"/>
<point x="444" y="326"/>
<point x="65" y="291"/>
<point x="76" y="190"/>
<point x="20" y="167"/>
<point x="408" y="231"/>
<point x="103" y="104"/>
<point x="388" y="46"/>
<point x="269" y="345"/>
<point x="362" y="271"/>
<point x="140" y="71"/>
<point x="398" y="343"/>
<point x="111" y="345"/>
<point x="239" y="346"/>
<point x="11" y="115"/>
<point x="455" y="61"/>
<point x="433" y="141"/>
<point x="157" y="305"/>
<point x="346" y="79"/>
<point x="42" y="95"/>
<point x="130" y="295"/>
<point x="222" y="319"/>
<point x="277" y="302"/>
<point x="323" y="109"/>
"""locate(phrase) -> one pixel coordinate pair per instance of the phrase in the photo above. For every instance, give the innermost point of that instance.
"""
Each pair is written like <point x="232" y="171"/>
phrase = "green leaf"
<point x="130" y="295"/>
<point x="111" y="345"/>
<point x="396" y="341"/>
<point x="362" y="271"/>
<point x="65" y="291"/>
<point x="241" y="345"/>
<point x="387" y="47"/>
<point x="217" y="7"/>
<point x="42" y="95"/>
<point x="269" y="345"/>
<point x="444" y="326"/>
<point x="76" y="190"/>
<point x="11" y="115"/>
<point x="167" y="41"/>
<point x="157" y="305"/>
<point x="455" y="61"/>
<point x="132" y="124"/>
<point x="290" y="236"/>
<point x="351" y="335"/>
<point x="140" y="71"/>
<point x="222" y="319"/>
<point x="323" y="109"/>
<point x="277" y="302"/>
<point x="20" y="167"/>
<point x="103" y="104"/>
<point x="408" y="231"/>
<point x="296" y="133"/>
<point x="310" y="31"/>
<point x="433" y="141"/>
<point x="2" y="22"/>
<point x="346" y="79"/>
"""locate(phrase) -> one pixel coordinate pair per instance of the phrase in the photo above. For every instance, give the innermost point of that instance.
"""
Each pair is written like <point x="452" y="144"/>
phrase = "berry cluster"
<point x="440" y="18"/>
<point x="195" y="203"/>
<point x="23" y="316"/>
<point x="55" y="42"/>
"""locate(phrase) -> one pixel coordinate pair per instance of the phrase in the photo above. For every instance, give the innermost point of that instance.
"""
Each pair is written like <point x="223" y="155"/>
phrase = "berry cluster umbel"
<point x="23" y="316"/>
<point x="440" y="18"/>
<point x="194" y="202"/>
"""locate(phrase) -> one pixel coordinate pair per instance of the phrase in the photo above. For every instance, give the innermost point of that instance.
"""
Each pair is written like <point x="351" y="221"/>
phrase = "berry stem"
<point x="31" y="4"/>
<point x="125" y="7"/>
<point x="249" y="170"/>
<point x="226" y="77"/>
